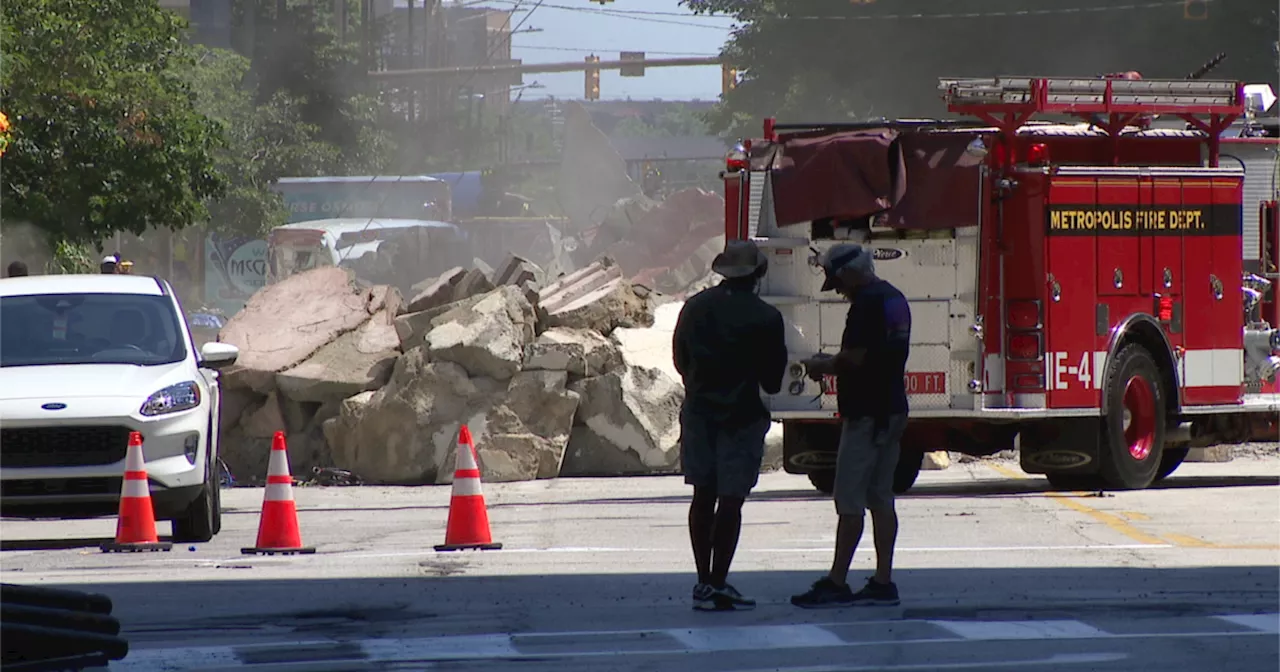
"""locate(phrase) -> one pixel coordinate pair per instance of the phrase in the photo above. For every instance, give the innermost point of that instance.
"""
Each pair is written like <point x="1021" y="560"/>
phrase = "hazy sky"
<point x="573" y="29"/>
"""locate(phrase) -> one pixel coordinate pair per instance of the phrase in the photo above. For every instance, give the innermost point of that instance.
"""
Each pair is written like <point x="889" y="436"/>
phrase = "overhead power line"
<point x="645" y="15"/>
<point x="585" y="50"/>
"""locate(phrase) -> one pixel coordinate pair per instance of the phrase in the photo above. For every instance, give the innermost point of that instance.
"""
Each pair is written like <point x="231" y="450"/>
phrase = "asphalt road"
<point x="595" y="574"/>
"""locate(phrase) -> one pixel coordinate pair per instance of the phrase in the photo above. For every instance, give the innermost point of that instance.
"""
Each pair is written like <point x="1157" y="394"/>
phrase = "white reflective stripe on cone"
<point x="464" y="487"/>
<point x="133" y="460"/>
<point x="278" y="465"/>
<point x="466" y="458"/>
<point x="135" y="488"/>
<point x="278" y="492"/>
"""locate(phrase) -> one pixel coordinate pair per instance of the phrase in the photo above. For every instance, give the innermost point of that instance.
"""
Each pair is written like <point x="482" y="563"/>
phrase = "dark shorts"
<point x="865" y="464"/>
<point x="725" y="458"/>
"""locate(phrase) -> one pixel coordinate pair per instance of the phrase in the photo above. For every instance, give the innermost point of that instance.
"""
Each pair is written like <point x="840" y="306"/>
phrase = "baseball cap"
<point x="837" y="257"/>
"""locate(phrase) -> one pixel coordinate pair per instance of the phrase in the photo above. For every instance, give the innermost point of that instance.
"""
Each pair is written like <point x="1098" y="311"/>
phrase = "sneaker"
<point x="824" y="594"/>
<point x="877" y="594"/>
<point x="702" y="597"/>
<point x="730" y="595"/>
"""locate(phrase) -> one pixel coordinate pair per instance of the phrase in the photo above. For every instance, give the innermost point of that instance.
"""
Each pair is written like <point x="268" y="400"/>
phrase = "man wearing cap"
<point x="727" y="345"/>
<point x="108" y="264"/>
<point x="872" y="400"/>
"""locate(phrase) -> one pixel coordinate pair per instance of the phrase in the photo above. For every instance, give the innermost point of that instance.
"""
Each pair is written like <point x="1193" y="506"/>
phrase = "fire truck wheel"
<point x="1172" y="459"/>
<point x="1074" y="482"/>
<point x="909" y="463"/>
<point x="824" y="480"/>
<point x="1134" y="427"/>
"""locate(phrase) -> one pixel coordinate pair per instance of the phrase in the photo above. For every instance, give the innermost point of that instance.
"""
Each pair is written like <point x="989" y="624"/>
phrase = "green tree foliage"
<point x="841" y="60"/>
<point x="676" y="121"/>
<point x="106" y="136"/>
<point x="263" y="142"/>
<point x="300" y="61"/>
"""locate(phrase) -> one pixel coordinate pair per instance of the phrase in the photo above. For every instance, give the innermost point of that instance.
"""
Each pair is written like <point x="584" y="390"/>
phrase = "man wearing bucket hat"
<point x="872" y="400"/>
<point x="727" y="345"/>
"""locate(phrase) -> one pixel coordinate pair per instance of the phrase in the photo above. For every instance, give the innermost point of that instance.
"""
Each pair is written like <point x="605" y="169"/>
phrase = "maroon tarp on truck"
<point x="920" y="180"/>
<point x="851" y="174"/>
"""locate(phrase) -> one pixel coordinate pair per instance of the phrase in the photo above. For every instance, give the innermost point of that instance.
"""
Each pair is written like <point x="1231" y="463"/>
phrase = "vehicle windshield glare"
<point x="55" y="329"/>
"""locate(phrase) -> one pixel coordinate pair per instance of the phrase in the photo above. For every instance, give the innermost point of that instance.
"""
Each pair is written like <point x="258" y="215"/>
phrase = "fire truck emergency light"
<point x="1038" y="154"/>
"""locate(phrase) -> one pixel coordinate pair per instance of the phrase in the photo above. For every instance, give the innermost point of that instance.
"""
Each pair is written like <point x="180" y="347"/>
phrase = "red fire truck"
<point x="1085" y="290"/>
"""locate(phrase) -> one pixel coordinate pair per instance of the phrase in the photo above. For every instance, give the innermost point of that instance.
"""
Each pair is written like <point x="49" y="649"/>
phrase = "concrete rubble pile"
<point x="366" y="381"/>
<point x="665" y="244"/>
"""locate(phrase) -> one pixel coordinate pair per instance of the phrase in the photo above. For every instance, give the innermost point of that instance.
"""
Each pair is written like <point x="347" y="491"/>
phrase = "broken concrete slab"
<point x="526" y="434"/>
<point x="596" y="297"/>
<point x="285" y="323"/>
<point x="936" y="461"/>
<point x="474" y="282"/>
<point x="516" y="270"/>
<point x="406" y="432"/>
<point x="627" y="424"/>
<point x="580" y="352"/>
<point x="435" y="291"/>
<point x="487" y="338"/>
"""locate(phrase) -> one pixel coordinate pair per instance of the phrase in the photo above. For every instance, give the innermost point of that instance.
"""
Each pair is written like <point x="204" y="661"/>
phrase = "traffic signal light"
<point x="728" y="79"/>
<point x="592" y="85"/>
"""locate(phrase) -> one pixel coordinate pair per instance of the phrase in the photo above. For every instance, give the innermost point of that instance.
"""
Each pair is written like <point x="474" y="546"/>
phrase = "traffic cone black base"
<point x="112" y="547"/>
<point x="468" y="547"/>
<point x="278" y="551"/>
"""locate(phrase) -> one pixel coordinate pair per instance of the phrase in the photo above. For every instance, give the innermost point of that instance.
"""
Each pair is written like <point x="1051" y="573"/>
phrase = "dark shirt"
<point x="728" y="344"/>
<point x="879" y="320"/>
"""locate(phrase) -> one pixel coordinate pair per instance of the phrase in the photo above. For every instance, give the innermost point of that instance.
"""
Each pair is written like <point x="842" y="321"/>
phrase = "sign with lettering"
<point x="916" y="382"/>
<point x="1158" y="220"/>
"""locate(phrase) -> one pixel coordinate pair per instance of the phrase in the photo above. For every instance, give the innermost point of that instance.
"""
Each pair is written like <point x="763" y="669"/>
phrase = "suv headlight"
<point x="180" y="397"/>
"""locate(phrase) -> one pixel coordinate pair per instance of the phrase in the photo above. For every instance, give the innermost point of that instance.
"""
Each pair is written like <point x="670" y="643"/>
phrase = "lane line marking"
<point x="434" y="649"/>
<point x="1267" y="623"/>
<point x="991" y="630"/>
<point x="1112" y="521"/>
<point x="755" y="638"/>
<point x="1056" y="659"/>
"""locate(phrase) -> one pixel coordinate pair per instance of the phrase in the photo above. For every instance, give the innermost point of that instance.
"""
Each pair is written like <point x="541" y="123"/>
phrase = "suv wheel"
<point x="203" y="518"/>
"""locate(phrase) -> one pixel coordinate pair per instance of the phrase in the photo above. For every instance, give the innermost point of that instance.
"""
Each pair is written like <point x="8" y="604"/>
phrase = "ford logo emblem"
<point x="53" y="406"/>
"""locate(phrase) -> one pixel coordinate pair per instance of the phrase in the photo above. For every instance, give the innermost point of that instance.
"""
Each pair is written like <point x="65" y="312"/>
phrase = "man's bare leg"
<point x="884" y="529"/>
<point x="702" y="523"/>
<point x="848" y="534"/>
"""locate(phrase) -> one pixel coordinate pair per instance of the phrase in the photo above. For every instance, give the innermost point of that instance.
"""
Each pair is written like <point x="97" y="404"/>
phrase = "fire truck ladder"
<point x="1111" y="104"/>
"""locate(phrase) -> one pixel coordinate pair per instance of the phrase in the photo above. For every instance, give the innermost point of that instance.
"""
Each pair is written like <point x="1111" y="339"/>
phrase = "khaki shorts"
<point x="866" y="463"/>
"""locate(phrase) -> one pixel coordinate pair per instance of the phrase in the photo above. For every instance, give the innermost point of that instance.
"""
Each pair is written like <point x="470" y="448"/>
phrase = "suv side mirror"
<point x="215" y="355"/>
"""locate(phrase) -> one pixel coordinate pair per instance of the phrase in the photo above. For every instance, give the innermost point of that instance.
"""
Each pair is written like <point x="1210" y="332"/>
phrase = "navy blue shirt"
<point x="728" y="343"/>
<point x="879" y="320"/>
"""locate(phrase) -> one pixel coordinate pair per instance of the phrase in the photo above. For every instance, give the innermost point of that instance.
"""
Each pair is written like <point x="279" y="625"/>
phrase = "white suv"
<point x="84" y="361"/>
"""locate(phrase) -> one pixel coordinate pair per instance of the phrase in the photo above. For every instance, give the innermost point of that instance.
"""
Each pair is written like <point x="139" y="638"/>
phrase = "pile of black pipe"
<point x="51" y="630"/>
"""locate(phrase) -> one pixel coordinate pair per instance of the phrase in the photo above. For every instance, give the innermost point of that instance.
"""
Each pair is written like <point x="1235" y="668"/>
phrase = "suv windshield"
<point x="50" y="329"/>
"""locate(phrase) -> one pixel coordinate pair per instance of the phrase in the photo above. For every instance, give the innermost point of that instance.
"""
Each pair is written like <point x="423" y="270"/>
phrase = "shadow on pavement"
<point x="439" y="602"/>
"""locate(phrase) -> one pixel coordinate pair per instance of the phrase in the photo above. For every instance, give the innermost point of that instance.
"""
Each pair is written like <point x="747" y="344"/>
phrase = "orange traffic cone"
<point x="136" y="527"/>
<point x="468" y="526"/>
<point x="278" y="531"/>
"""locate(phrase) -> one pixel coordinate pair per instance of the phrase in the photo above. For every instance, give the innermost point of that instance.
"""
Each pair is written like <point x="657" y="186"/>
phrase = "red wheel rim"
<point x="1139" y="417"/>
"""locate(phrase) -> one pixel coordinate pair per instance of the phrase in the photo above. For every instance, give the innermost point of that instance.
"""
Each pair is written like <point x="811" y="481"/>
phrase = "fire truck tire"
<point x="1074" y="482"/>
<point x="1172" y="459"/>
<point x="824" y="480"/>
<point x="1133" y="430"/>
<point x="904" y="476"/>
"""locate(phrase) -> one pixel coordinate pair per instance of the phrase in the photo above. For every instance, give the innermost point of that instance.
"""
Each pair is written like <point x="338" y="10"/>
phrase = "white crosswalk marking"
<point x="988" y="630"/>
<point x="677" y="641"/>
<point x="1262" y="622"/>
